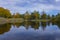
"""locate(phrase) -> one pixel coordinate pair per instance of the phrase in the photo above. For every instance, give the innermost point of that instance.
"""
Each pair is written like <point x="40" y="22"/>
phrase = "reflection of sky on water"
<point x="51" y="32"/>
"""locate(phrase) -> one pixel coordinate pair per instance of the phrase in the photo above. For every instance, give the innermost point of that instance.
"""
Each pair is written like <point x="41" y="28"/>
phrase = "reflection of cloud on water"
<point x="22" y="34"/>
<point x="30" y="36"/>
<point x="35" y="31"/>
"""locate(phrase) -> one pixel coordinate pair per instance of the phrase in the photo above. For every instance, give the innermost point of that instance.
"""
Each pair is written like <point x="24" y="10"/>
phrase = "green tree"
<point x="43" y="16"/>
<point x="27" y="16"/>
<point x="48" y="17"/>
<point x="53" y="18"/>
<point x="35" y="15"/>
<point x="58" y="17"/>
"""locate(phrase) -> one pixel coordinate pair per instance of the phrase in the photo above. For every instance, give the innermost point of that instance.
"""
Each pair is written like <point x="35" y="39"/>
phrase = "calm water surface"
<point x="30" y="31"/>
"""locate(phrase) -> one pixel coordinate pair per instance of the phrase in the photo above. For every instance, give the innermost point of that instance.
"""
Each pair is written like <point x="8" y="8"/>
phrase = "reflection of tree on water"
<point x="48" y="23"/>
<point x="53" y="23"/>
<point x="43" y="25"/>
<point x="58" y="24"/>
<point x="26" y="24"/>
<point x="4" y="28"/>
<point x="17" y="24"/>
<point x="35" y="25"/>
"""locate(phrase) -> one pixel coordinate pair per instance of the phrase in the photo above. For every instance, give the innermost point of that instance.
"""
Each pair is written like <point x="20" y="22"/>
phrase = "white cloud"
<point x="10" y="4"/>
<point x="57" y="0"/>
<point x="43" y="0"/>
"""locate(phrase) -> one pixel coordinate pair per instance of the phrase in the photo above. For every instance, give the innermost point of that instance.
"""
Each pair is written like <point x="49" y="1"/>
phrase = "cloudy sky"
<point x="50" y="6"/>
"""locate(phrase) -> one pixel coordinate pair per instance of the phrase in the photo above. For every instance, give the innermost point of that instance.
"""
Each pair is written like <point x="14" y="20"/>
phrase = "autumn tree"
<point x="17" y="15"/>
<point x="5" y="13"/>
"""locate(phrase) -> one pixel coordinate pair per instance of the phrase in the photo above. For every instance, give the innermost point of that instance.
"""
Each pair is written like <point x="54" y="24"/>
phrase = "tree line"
<point x="5" y="13"/>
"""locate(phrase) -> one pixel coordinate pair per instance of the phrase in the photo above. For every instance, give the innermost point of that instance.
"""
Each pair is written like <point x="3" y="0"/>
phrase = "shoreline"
<point x="18" y="20"/>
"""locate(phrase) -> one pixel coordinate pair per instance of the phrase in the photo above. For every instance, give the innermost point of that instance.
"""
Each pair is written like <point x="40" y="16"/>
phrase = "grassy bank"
<point x="10" y="20"/>
<point x="15" y="20"/>
<point x="18" y="20"/>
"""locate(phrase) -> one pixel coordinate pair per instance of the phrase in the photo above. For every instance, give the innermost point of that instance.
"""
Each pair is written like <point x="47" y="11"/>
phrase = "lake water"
<point x="30" y="31"/>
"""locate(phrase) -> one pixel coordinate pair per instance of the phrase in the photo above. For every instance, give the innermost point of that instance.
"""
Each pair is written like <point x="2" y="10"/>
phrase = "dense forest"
<point x="5" y="13"/>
